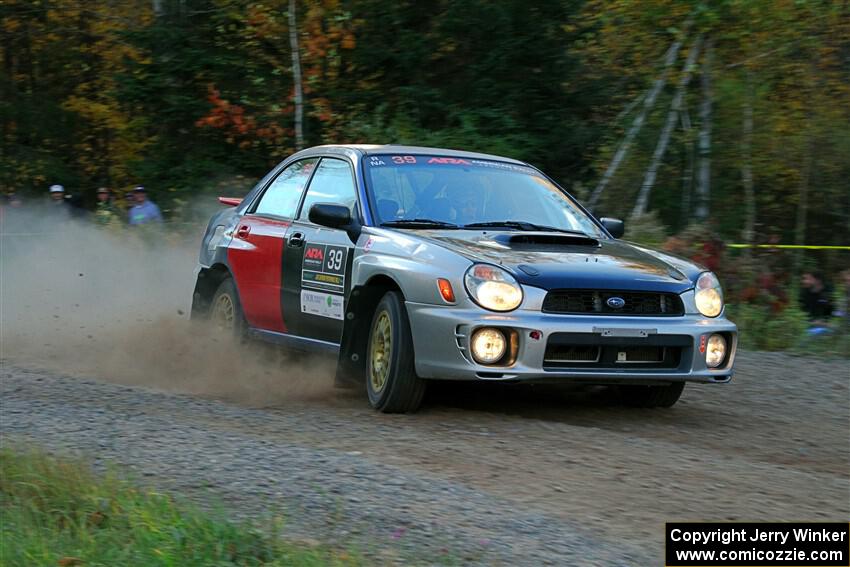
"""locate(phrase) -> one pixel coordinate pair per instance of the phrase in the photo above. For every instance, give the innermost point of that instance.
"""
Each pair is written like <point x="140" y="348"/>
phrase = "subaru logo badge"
<point x="616" y="302"/>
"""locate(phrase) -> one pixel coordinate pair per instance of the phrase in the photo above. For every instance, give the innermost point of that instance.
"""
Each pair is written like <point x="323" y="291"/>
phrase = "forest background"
<point x="703" y="124"/>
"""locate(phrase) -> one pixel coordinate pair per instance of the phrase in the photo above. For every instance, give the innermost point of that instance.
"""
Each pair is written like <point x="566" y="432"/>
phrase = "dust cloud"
<point x="112" y="303"/>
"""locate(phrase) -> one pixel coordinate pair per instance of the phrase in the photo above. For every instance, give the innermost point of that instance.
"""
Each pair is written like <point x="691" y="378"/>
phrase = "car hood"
<point x="555" y="260"/>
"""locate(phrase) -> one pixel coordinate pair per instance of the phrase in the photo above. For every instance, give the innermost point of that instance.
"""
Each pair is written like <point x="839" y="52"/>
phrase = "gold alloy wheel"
<point x="223" y="313"/>
<point x="381" y="351"/>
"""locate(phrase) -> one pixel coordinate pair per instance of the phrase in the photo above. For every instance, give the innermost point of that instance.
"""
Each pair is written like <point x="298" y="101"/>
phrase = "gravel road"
<point x="486" y="475"/>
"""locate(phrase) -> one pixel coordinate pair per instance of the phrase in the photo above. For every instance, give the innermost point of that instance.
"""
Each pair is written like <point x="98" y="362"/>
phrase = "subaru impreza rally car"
<point x="413" y="264"/>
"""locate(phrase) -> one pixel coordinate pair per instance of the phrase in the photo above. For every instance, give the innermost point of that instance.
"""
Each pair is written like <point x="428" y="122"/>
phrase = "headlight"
<point x="488" y="345"/>
<point x="708" y="295"/>
<point x="492" y="287"/>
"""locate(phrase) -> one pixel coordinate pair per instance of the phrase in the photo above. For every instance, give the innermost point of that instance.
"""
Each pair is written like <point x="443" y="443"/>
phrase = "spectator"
<point x="143" y="211"/>
<point x="106" y="213"/>
<point x="9" y="209"/>
<point x="59" y="206"/>
<point x="57" y="195"/>
<point x="815" y="296"/>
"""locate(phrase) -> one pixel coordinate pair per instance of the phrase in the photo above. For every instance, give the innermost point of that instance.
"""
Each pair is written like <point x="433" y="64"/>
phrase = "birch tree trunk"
<point x="704" y="176"/>
<point x="637" y="124"/>
<point x="629" y="107"/>
<point x="296" y="78"/>
<point x="803" y="206"/>
<point x="807" y="167"/>
<point x="669" y="126"/>
<point x="747" y="167"/>
<point x="803" y="200"/>
<point x="688" y="176"/>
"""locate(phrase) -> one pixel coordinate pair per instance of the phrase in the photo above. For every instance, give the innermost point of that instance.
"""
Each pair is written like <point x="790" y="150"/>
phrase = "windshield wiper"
<point x="418" y="223"/>
<point x="522" y="225"/>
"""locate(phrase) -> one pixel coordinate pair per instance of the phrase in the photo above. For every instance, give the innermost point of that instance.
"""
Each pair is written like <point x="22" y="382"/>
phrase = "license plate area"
<point x="620" y="333"/>
<point x="640" y="355"/>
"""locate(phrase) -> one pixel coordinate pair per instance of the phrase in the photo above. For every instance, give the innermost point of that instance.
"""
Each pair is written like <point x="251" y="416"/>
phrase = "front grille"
<point x="588" y="302"/>
<point x="589" y="351"/>
<point x="610" y="356"/>
<point x="572" y="353"/>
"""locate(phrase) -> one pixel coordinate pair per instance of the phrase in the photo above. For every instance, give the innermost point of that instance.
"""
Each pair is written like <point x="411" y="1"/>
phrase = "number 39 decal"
<point x="335" y="257"/>
<point x="403" y="159"/>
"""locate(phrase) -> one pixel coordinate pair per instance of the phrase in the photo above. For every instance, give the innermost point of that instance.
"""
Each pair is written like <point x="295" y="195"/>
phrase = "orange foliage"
<point x="240" y="128"/>
<point x="230" y="117"/>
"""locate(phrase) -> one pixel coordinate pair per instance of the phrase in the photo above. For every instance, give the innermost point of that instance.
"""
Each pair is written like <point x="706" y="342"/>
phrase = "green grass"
<point x="58" y="512"/>
<point x="761" y="329"/>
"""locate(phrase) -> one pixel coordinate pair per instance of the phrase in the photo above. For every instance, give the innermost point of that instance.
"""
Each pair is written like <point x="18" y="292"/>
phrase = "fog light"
<point x="488" y="345"/>
<point x="715" y="353"/>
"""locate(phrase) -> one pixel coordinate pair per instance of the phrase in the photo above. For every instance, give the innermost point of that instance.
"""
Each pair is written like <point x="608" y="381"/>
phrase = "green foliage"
<point x="57" y="512"/>
<point x="835" y="344"/>
<point x="760" y="329"/>
<point x="93" y="93"/>
<point x="646" y="229"/>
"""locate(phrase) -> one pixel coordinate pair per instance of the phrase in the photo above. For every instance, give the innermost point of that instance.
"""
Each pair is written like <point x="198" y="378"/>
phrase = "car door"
<point x="256" y="252"/>
<point x="317" y="260"/>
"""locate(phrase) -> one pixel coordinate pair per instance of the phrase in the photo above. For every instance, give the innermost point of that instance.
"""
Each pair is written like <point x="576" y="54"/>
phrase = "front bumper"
<point x="441" y="342"/>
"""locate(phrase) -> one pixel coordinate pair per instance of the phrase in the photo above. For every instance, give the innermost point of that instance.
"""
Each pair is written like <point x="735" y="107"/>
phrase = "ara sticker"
<point x="321" y="304"/>
<point x="323" y="267"/>
<point x="369" y="244"/>
<point x="448" y="161"/>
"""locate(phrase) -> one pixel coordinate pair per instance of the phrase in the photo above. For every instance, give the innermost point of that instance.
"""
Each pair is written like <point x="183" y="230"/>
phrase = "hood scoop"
<point x="536" y="240"/>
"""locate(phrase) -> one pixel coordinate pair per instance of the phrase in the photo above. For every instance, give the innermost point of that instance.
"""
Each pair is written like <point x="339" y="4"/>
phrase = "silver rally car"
<point x="413" y="264"/>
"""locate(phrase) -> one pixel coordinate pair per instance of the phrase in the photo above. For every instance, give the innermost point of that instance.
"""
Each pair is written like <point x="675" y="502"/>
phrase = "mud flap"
<point x="351" y="368"/>
<point x="205" y="286"/>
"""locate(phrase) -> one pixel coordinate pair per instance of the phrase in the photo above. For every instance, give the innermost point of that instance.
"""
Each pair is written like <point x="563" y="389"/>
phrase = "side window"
<point x="333" y="183"/>
<point x="282" y="196"/>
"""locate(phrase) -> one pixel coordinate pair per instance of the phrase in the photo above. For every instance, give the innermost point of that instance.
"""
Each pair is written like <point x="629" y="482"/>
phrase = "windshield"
<point x="467" y="191"/>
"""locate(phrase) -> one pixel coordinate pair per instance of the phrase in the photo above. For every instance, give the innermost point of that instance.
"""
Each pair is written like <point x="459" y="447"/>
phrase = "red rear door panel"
<point x="256" y="259"/>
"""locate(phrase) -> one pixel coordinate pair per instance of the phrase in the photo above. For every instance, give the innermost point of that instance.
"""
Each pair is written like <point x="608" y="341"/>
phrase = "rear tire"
<point x="391" y="381"/>
<point x="226" y="310"/>
<point x="651" y="396"/>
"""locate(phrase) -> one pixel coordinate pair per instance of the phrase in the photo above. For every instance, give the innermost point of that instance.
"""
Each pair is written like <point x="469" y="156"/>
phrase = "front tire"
<point x="391" y="381"/>
<point x="226" y="310"/>
<point x="651" y="396"/>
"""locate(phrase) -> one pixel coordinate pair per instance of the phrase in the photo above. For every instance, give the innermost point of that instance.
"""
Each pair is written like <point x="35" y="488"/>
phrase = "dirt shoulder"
<point x="490" y="475"/>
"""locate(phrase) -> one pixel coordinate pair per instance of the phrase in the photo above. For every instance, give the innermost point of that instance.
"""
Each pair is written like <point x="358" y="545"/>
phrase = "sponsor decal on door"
<point x="321" y="304"/>
<point x="324" y="267"/>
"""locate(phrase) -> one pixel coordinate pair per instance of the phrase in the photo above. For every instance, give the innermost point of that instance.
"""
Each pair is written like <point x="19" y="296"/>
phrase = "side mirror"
<point x="330" y="215"/>
<point x="614" y="226"/>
